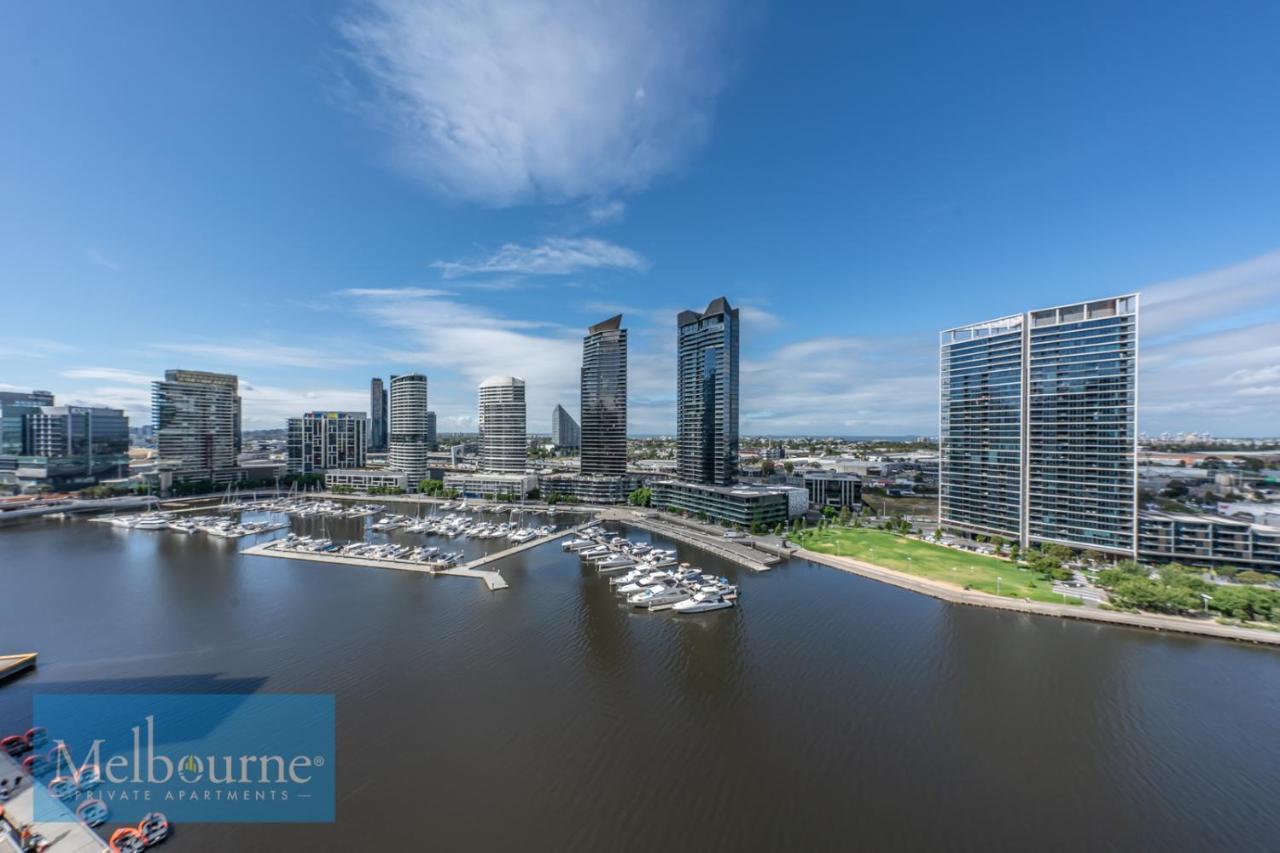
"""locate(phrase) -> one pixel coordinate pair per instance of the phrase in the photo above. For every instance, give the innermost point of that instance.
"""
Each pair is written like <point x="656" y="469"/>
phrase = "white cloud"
<point x="1174" y="306"/>
<point x="606" y="212"/>
<point x="549" y="100"/>
<point x="554" y="256"/>
<point x="23" y="347"/>
<point x="257" y="354"/>
<point x="392" y="292"/>
<point x="99" y="259"/>
<point x="269" y="407"/>
<point x="109" y="374"/>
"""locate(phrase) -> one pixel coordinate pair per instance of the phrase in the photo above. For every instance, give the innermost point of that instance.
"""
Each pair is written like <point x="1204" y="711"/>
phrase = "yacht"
<point x="152" y="521"/>
<point x="701" y="602"/>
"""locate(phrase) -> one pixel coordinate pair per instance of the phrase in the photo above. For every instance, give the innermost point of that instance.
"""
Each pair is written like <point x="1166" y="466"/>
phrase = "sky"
<point x="310" y="194"/>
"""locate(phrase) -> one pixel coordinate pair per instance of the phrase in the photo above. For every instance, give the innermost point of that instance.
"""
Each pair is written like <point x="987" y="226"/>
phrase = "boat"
<point x="702" y="602"/>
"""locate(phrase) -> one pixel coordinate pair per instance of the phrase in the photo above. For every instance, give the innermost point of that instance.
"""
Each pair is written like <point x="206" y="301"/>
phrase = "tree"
<point x="789" y="467"/>
<point x="640" y="497"/>
<point x="845" y="515"/>
<point x="828" y="512"/>
<point x="937" y="534"/>
<point x="1251" y="577"/>
<point x="1014" y="551"/>
<point x="767" y="468"/>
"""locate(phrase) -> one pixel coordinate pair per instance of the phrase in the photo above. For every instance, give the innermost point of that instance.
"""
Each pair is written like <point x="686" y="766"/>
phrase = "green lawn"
<point x="959" y="568"/>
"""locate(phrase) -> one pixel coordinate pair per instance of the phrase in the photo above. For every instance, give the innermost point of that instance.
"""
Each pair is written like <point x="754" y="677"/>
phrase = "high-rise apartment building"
<point x="433" y="440"/>
<point x="320" y="441"/>
<point x="604" y="399"/>
<point x="707" y="395"/>
<point x="409" y="426"/>
<point x="377" y="414"/>
<point x="1038" y="426"/>
<point x="196" y="416"/>
<point x="503" y="438"/>
<point x="565" y="434"/>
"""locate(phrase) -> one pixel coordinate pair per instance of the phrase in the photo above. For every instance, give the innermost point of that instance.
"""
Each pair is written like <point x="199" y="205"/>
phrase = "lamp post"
<point x="997" y="584"/>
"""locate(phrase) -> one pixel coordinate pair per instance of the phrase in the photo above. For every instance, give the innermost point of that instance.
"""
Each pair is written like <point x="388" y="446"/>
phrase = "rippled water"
<point x="827" y="712"/>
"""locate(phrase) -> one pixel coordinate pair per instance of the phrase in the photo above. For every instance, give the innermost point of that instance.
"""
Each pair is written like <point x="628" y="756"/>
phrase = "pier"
<point x="473" y="569"/>
<point x="63" y="832"/>
<point x="11" y="665"/>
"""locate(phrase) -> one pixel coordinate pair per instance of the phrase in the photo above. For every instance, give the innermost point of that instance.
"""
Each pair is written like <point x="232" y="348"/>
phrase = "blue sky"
<point x="310" y="194"/>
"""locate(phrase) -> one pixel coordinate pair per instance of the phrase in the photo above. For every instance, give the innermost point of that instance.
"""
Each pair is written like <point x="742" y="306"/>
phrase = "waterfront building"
<point x="588" y="488"/>
<point x="364" y="479"/>
<point x="70" y="447"/>
<point x="503" y="439"/>
<point x="604" y="399"/>
<point x="15" y="406"/>
<point x="565" y="434"/>
<point x="319" y="441"/>
<point x="491" y="485"/>
<point x="408" y="427"/>
<point x="377" y="415"/>
<point x="1038" y="426"/>
<point x="196" y="418"/>
<point x="1208" y="540"/>
<point x="834" y="489"/>
<point x="707" y="395"/>
<point x="746" y="506"/>
<point x="433" y="442"/>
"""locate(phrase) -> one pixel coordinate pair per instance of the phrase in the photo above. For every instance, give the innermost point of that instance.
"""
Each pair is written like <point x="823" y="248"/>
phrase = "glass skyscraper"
<point x="707" y="395"/>
<point x="604" y="399"/>
<point x="377" y="414"/>
<point x="197" y="424"/>
<point x="565" y="433"/>
<point x="409" y="427"/>
<point x="1038" y="426"/>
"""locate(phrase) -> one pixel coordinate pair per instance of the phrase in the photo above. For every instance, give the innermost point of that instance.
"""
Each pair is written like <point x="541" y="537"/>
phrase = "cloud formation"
<point x="543" y="100"/>
<point x="553" y="256"/>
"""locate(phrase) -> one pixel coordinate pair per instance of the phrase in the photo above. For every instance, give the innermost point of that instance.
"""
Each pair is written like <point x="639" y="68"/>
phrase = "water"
<point x="827" y="712"/>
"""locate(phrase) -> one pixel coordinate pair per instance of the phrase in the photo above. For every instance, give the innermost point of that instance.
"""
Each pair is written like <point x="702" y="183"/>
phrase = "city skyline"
<point x="316" y="244"/>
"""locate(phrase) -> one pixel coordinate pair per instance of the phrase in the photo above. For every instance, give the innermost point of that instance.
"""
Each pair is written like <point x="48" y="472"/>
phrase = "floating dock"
<point x="11" y="665"/>
<point x="728" y="549"/>
<point x="63" y="832"/>
<point x="492" y="579"/>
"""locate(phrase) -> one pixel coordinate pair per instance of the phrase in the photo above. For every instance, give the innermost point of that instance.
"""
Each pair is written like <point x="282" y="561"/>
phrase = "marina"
<point x="654" y="578"/>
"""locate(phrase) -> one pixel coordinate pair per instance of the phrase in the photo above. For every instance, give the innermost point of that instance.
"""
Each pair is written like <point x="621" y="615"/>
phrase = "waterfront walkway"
<point x="956" y="595"/>
<point x="473" y="569"/>
<point x="63" y="832"/>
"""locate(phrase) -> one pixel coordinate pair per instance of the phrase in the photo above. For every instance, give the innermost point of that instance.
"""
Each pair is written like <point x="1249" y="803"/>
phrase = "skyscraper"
<point x="707" y="396"/>
<point x="565" y="434"/>
<point x="320" y="441"/>
<point x="196" y="416"/>
<point x="377" y="414"/>
<point x="71" y="446"/>
<point x="503" y="440"/>
<point x="409" y="427"/>
<point x="604" y="399"/>
<point x="432" y="438"/>
<point x="1038" y="426"/>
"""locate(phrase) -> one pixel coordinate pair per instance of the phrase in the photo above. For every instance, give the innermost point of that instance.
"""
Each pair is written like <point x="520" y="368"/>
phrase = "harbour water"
<point x="826" y="712"/>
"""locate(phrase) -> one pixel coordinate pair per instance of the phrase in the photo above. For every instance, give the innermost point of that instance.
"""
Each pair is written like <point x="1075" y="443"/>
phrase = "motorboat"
<point x="615" y="564"/>
<point x="702" y="602"/>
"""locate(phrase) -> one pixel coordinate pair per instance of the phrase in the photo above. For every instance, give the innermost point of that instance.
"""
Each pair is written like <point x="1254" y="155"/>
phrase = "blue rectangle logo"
<point x="228" y="757"/>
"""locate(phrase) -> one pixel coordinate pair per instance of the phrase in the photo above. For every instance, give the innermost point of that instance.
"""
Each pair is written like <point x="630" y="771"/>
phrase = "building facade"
<point x="364" y="479"/>
<point x="319" y="441"/>
<point x="409" y="441"/>
<point x="834" y="489"/>
<point x="378" y="435"/>
<point x="70" y="447"/>
<point x="746" y="506"/>
<point x="1038" y="426"/>
<point x="588" y="488"/>
<point x="503" y="436"/>
<point x="491" y="485"/>
<point x="433" y="440"/>
<point x="565" y="434"/>
<point x="707" y="395"/>
<point x="196" y="419"/>
<point x="604" y="399"/>
<point x="1208" y="540"/>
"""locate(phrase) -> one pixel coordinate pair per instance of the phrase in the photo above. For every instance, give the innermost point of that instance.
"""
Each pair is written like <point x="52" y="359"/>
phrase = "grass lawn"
<point x="959" y="568"/>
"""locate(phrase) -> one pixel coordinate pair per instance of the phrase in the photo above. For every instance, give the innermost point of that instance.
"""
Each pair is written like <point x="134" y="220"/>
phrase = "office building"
<point x="707" y="396"/>
<point x="380" y="480"/>
<point x="834" y="489"/>
<point x="196" y="417"/>
<point x="319" y="441"/>
<point x="377" y="415"/>
<point x="565" y="434"/>
<point x="503" y="440"/>
<point x="14" y="408"/>
<point x="409" y="427"/>
<point x="491" y="485"/>
<point x="759" y="507"/>
<point x="70" y="447"/>
<point x="1038" y="426"/>
<point x="604" y="399"/>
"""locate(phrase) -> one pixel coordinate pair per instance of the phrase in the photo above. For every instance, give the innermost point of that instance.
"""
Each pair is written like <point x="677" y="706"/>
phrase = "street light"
<point x="1207" y="599"/>
<point x="997" y="584"/>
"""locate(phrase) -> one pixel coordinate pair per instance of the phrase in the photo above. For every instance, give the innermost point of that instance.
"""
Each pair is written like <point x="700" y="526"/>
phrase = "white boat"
<point x="152" y="521"/>
<point x="702" y="602"/>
